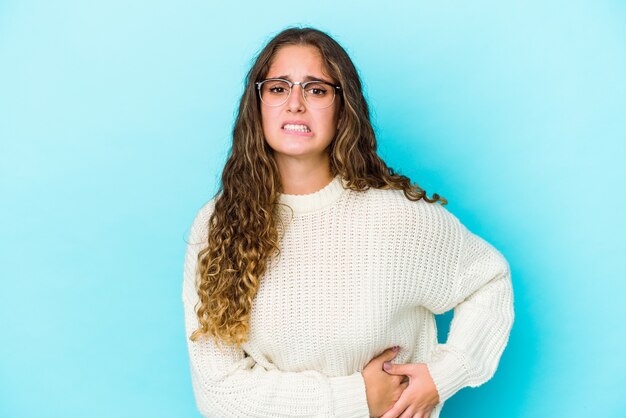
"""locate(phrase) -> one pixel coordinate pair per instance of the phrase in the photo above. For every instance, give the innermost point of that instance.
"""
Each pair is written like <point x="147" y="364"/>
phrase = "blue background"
<point x="115" y="121"/>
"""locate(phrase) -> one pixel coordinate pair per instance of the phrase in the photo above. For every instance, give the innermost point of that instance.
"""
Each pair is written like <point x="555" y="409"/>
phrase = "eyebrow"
<point x="306" y="78"/>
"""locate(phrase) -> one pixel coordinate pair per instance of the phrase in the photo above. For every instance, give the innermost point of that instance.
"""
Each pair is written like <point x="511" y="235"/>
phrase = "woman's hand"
<point x="382" y="389"/>
<point x="419" y="398"/>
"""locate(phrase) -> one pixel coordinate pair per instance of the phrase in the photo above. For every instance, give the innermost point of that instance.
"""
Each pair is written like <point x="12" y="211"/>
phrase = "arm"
<point x="229" y="384"/>
<point x="482" y="298"/>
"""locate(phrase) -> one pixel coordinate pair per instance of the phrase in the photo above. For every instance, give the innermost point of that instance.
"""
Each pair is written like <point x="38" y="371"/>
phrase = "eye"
<point x="277" y="89"/>
<point x="317" y="90"/>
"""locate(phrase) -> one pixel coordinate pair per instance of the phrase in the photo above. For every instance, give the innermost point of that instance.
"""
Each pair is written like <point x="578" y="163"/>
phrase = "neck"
<point x="304" y="177"/>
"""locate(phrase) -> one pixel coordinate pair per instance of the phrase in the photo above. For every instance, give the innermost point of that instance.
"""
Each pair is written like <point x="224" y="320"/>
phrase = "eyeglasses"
<point x="275" y="92"/>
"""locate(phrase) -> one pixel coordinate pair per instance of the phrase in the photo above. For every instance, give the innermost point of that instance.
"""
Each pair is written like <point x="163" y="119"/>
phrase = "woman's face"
<point x="299" y="63"/>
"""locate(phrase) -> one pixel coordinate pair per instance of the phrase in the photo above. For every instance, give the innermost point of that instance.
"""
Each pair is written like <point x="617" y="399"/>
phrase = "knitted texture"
<point x="358" y="272"/>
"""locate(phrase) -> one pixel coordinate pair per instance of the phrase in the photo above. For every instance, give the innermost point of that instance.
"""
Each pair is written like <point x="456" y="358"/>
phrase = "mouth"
<point x="296" y="129"/>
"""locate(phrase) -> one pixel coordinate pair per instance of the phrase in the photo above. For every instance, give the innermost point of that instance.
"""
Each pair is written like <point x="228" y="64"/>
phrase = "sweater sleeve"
<point x="482" y="298"/>
<point x="229" y="383"/>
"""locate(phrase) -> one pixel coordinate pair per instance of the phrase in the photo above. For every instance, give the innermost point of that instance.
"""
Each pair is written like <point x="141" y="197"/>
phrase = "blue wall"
<point x="115" y="119"/>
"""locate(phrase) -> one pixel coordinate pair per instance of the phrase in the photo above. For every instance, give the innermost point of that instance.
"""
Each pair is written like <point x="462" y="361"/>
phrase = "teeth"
<point x="299" y="128"/>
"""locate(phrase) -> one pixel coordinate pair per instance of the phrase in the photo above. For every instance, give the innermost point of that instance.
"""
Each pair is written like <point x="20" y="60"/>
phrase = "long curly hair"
<point x="243" y="230"/>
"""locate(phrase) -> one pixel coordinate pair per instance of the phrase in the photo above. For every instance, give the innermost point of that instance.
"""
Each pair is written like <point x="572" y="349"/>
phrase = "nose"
<point x="295" y="102"/>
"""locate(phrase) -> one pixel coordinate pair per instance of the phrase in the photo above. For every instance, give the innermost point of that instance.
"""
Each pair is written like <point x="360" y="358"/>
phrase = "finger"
<point x="404" y="385"/>
<point x="408" y="413"/>
<point x="399" y="369"/>
<point x="386" y="358"/>
<point x="423" y="414"/>
<point x="389" y="354"/>
<point x="398" y="408"/>
<point x="407" y="399"/>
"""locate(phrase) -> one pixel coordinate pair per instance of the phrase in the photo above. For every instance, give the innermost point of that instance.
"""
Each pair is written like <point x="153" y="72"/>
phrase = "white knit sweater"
<point x="359" y="272"/>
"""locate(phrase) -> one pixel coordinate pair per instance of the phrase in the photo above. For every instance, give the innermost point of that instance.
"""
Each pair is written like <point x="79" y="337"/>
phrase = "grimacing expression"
<point x="295" y="129"/>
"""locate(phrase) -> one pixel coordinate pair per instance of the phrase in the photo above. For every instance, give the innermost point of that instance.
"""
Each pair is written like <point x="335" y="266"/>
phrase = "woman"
<point x="312" y="277"/>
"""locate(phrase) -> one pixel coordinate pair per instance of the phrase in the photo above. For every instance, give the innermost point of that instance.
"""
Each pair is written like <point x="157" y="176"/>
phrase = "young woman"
<point x="313" y="275"/>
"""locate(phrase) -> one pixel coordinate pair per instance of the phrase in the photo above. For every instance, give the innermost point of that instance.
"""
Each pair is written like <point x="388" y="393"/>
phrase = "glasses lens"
<point x="274" y="92"/>
<point x="316" y="94"/>
<point x="319" y="94"/>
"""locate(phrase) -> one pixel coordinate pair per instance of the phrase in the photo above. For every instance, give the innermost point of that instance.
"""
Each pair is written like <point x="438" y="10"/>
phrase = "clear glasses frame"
<point x="336" y="88"/>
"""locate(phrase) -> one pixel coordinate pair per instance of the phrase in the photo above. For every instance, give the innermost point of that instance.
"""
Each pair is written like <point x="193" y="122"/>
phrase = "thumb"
<point x="399" y="369"/>
<point x="389" y="354"/>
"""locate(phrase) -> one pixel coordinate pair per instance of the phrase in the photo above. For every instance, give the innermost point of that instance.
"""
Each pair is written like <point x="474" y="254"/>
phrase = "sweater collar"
<point x="305" y="203"/>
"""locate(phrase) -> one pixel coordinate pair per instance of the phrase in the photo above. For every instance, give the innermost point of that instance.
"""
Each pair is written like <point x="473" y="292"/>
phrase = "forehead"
<point x="297" y="62"/>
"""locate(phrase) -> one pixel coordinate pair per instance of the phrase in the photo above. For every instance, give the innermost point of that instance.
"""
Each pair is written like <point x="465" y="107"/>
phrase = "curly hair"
<point x="243" y="230"/>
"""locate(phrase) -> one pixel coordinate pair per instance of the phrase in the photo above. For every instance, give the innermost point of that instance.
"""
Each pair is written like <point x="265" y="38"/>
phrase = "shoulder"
<point x="199" y="227"/>
<point x="196" y="242"/>
<point x="396" y="204"/>
<point x="429" y="226"/>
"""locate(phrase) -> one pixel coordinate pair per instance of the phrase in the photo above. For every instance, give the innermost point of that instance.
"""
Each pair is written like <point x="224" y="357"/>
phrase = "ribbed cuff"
<point x="448" y="373"/>
<point x="349" y="396"/>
